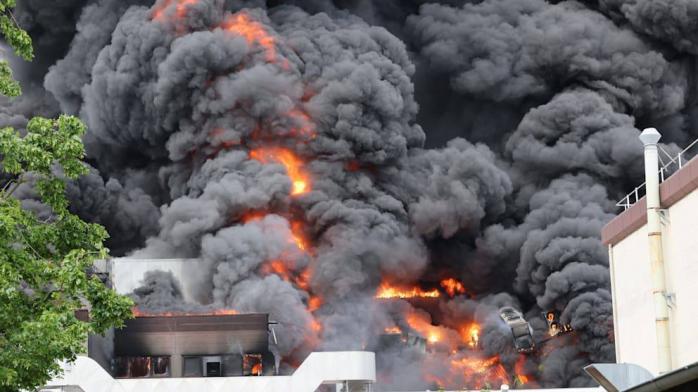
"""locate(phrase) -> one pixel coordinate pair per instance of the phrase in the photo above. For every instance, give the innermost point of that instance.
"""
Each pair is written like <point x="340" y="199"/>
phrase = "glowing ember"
<point x="293" y="165"/>
<point x="352" y="166"/>
<point x="253" y="216"/>
<point x="180" y="10"/>
<point x="452" y="287"/>
<point x="314" y="303"/>
<point x="303" y="280"/>
<point x="393" y="330"/>
<point x="316" y="326"/>
<point x="306" y="126"/>
<point x="387" y="291"/>
<point x="253" y="32"/>
<point x="212" y="312"/>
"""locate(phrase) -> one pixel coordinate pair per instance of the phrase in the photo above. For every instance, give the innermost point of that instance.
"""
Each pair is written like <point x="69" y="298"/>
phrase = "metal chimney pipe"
<point x="649" y="138"/>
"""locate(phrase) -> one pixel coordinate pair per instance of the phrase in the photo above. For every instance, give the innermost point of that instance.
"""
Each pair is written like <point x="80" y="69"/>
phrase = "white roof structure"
<point x="319" y="368"/>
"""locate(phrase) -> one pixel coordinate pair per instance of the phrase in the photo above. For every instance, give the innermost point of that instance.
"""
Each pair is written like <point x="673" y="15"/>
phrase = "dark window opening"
<point x="121" y="367"/>
<point x="161" y="366"/>
<point x="213" y="369"/>
<point x="141" y="367"/>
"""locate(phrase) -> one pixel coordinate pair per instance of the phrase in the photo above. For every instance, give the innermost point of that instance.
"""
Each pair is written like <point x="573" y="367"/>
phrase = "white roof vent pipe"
<point x="650" y="137"/>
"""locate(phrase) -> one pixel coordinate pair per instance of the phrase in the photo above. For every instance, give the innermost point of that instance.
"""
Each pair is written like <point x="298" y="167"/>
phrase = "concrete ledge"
<point x="671" y="191"/>
<point x="319" y="368"/>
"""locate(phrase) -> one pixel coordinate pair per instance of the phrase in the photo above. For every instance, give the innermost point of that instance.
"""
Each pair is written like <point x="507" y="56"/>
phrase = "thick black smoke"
<point x="481" y="140"/>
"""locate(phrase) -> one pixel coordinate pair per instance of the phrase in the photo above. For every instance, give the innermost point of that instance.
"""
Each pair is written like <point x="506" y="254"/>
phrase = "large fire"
<point x="465" y="361"/>
<point x="481" y="372"/>
<point x="386" y="290"/>
<point x="478" y="372"/>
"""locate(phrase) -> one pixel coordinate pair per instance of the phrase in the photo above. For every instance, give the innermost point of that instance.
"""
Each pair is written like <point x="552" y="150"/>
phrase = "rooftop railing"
<point x="674" y="164"/>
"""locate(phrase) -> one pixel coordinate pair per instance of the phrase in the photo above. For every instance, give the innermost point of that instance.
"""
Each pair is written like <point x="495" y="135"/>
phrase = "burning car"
<point x="520" y="329"/>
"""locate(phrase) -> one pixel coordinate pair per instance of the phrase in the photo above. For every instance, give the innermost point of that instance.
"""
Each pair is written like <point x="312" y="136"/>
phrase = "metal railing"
<point x="667" y="170"/>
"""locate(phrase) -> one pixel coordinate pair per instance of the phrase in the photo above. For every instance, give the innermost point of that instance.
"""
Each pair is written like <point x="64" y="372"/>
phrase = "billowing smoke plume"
<point x="319" y="154"/>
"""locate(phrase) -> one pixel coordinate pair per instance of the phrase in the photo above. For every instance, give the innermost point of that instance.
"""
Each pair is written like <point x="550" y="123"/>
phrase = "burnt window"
<point x="121" y="367"/>
<point x="213" y="369"/>
<point x="160" y="366"/>
<point x="252" y="365"/>
<point x="139" y="367"/>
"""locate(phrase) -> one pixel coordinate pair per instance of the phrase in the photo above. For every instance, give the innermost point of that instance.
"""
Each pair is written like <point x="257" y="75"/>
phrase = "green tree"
<point x="19" y="40"/>
<point x="44" y="262"/>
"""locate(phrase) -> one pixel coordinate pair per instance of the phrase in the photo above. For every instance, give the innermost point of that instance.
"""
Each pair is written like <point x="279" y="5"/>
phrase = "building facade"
<point x="626" y="237"/>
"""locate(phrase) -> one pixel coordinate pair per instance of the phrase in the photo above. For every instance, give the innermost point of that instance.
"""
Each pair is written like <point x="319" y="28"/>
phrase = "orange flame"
<point x="481" y="371"/>
<point x="393" y="330"/>
<point x="303" y="280"/>
<point x="452" y="287"/>
<point x="297" y="230"/>
<point x="519" y="369"/>
<point x="314" y="303"/>
<point x="306" y="126"/>
<point x="316" y="326"/>
<point x="471" y="334"/>
<point x="253" y="32"/>
<point x="277" y="267"/>
<point x="387" y="291"/>
<point x="257" y="369"/>
<point x="293" y="165"/>
<point x="251" y="216"/>
<point x="422" y="325"/>
<point x="180" y="10"/>
<point x="437" y="337"/>
<point x="296" y="238"/>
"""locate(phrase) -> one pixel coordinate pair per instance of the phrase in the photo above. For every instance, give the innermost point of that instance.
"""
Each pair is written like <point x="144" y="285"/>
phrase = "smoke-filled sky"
<point x="314" y="151"/>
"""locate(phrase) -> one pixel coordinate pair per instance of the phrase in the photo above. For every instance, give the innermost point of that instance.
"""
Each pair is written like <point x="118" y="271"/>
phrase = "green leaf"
<point x="8" y="86"/>
<point x="43" y="263"/>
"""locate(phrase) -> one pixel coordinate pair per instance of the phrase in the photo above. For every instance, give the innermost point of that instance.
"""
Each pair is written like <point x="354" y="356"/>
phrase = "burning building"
<point x="193" y="346"/>
<point x="352" y="167"/>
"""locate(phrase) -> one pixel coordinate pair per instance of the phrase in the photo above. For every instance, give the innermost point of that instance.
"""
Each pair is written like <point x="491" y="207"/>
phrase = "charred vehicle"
<point x="520" y="329"/>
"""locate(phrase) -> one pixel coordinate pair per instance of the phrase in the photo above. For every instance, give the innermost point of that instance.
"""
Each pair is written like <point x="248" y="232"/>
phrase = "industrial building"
<point x="193" y="346"/>
<point x="221" y="351"/>
<point x="178" y="352"/>
<point x="653" y="256"/>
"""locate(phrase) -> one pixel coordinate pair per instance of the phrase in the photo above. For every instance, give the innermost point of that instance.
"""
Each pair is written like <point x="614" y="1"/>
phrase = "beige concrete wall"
<point x="682" y="277"/>
<point x="633" y="313"/>
<point x="632" y="295"/>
